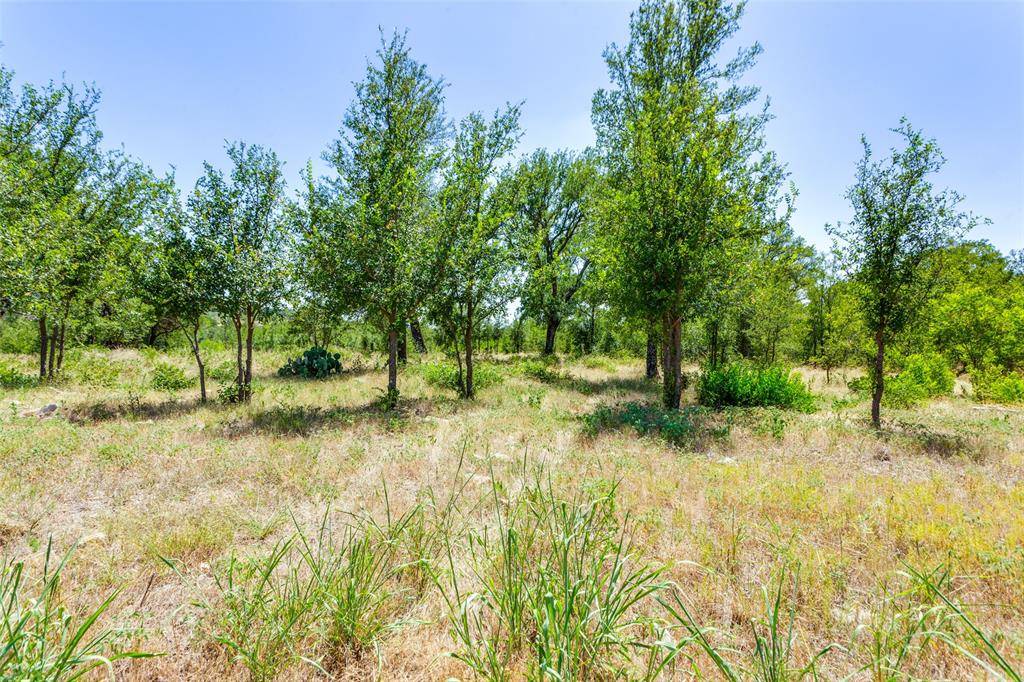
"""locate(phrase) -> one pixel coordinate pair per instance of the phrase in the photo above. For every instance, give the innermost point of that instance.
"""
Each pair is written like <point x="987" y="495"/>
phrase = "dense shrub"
<point x="446" y="375"/>
<point x="923" y="376"/>
<point x="315" y="363"/>
<point x="750" y="386"/>
<point x="168" y="377"/>
<point x="10" y="377"/>
<point x="993" y="387"/>
<point x="539" y="370"/>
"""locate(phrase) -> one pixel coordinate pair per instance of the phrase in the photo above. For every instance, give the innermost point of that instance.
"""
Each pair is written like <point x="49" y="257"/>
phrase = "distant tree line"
<point x="671" y="237"/>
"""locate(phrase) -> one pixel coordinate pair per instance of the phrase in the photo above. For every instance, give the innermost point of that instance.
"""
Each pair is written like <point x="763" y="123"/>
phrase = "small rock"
<point x="47" y="410"/>
<point x="883" y="455"/>
<point x="98" y="536"/>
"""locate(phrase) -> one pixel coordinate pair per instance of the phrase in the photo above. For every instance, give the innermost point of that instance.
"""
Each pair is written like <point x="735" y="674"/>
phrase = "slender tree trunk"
<point x="469" y="348"/>
<point x="403" y="345"/>
<point x="250" y="321"/>
<point x="878" y="378"/>
<point x="43" y="346"/>
<point x="549" y="339"/>
<point x="54" y="333"/>
<point x="60" y="346"/>
<point x="417" y="336"/>
<point x="673" y="380"/>
<point x="652" y="355"/>
<point x="713" y="342"/>
<point x="392" y="358"/>
<point x="240" y="374"/>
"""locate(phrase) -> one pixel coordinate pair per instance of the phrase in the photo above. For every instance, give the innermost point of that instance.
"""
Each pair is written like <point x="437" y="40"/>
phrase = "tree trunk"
<point x="43" y="344"/>
<point x="878" y="378"/>
<point x="53" y="350"/>
<point x="652" y="355"/>
<point x="240" y="368"/>
<point x="417" y="336"/>
<point x="469" y="348"/>
<point x="392" y="359"/>
<point x="60" y="346"/>
<point x="403" y="345"/>
<point x="549" y="339"/>
<point x="673" y="380"/>
<point x="250" y="320"/>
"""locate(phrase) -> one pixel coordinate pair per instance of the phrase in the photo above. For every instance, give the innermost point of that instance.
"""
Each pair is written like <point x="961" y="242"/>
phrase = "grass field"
<point x="556" y="526"/>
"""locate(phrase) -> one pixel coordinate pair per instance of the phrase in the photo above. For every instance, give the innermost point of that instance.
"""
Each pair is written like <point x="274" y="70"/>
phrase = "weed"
<point x="42" y="639"/>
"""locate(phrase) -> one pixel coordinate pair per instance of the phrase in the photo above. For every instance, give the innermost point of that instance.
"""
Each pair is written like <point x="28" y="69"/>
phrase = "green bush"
<point x="993" y="387"/>
<point x="924" y="375"/>
<point x="746" y="385"/>
<point x="223" y="371"/>
<point x="446" y="375"/>
<point x="168" y="377"/>
<point x="10" y="377"/>
<point x="315" y="363"/>
<point x="93" y="369"/>
<point x="539" y="370"/>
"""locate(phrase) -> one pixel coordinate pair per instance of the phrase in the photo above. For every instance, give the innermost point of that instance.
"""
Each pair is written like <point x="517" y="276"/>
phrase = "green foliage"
<point x="991" y="386"/>
<point x="12" y="377"/>
<point x="43" y="639"/>
<point x="557" y="585"/>
<point x="747" y="385"/>
<point x="315" y="363"/>
<point x="545" y="371"/>
<point x="170" y="378"/>
<point x="229" y="394"/>
<point x="95" y="369"/>
<point x="446" y="375"/>
<point x="678" y="427"/>
<point x="224" y="371"/>
<point x="923" y="376"/>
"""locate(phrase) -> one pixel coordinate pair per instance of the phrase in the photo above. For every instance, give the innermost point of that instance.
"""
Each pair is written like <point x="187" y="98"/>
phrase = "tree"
<point x="179" y="277"/>
<point x="474" y="213"/>
<point x="551" y="233"/>
<point x="685" y="164"/>
<point x="239" y="220"/>
<point x="377" y="252"/>
<point x="899" y="222"/>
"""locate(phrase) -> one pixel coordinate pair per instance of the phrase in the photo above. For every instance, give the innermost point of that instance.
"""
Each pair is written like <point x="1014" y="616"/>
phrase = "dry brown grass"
<point x="134" y="475"/>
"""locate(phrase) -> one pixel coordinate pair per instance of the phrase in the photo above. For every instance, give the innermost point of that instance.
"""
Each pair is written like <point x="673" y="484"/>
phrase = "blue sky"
<point x="180" y="78"/>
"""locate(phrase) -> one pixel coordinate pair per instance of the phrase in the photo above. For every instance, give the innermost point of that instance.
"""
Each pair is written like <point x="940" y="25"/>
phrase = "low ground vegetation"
<point x="561" y="525"/>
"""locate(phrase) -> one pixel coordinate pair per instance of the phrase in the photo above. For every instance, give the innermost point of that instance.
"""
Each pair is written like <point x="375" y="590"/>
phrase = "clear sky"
<point x="180" y="78"/>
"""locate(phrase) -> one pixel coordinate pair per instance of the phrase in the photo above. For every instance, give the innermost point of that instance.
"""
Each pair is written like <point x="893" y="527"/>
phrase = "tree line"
<point x="675" y="226"/>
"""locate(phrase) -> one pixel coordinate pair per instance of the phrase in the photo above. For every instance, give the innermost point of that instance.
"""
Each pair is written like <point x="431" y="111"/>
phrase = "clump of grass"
<point x="555" y="584"/>
<point x="745" y="385"/>
<point x="678" y="427"/>
<point x="262" y="610"/>
<point x="544" y="371"/>
<point x="169" y="378"/>
<point x="41" y="639"/>
<point x="446" y="375"/>
<point x="355" y="586"/>
<point x="772" y="659"/>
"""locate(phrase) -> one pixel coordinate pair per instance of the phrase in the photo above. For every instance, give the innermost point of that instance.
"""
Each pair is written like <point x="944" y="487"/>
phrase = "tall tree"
<point x="378" y="252"/>
<point x="899" y="222"/>
<point x="685" y="164"/>
<point x="179" y="277"/>
<point x="240" y="221"/>
<point x="474" y="213"/>
<point x="551" y="233"/>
